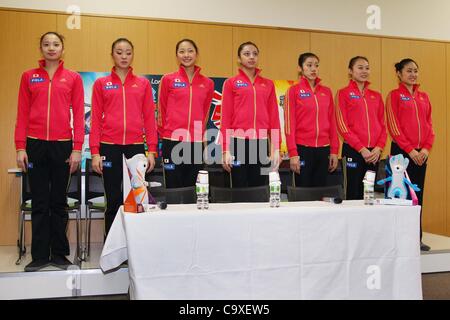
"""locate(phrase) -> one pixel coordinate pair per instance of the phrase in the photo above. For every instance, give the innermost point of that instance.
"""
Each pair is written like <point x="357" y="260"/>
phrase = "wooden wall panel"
<point x="447" y="177"/>
<point x="335" y="51"/>
<point x="89" y="48"/>
<point x="213" y="42"/>
<point x="20" y="51"/>
<point x="431" y="57"/>
<point x="279" y="50"/>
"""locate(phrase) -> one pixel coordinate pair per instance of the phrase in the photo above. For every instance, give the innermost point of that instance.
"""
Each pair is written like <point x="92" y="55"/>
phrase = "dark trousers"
<point x="354" y="168"/>
<point x="49" y="173"/>
<point x="181" y="162"/>
<point x="251" y="162"/>
<point x="416" y="175"/>
<point x="113" y="176"/>
<point x="314" y="164"/>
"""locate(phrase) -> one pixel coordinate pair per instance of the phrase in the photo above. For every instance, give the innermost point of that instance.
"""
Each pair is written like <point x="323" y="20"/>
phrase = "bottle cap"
<point x="202" y="177"/>
<point x="370" y="176"/>
<point x="274" y="176"/>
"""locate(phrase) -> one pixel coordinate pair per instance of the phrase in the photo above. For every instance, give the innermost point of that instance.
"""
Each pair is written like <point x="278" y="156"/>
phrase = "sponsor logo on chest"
<point x="303" y="94"/>
<point x="354" y="96"/>
<point x="110" y="86"/>
<point x="36" y="78"/>
<point x="404" y="98"/>
<point x="241" y="84"/>
<point x="177" y="83"/>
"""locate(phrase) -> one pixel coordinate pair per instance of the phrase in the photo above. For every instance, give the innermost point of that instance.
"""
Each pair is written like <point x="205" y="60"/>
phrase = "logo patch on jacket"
<point x="241" y="84"/>
<point x="404" y="98"/>
<point x="36" y="78"/>
<point x="354" y="96"/>
<point x="303" y="94"/>
<point x="111" y="86"/>
<point x="178" y="84"/>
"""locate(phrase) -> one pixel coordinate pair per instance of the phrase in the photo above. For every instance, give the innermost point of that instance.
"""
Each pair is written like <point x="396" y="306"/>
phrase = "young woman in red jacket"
<point x="46" y="148"/>
<point x="250" y="124"/>
<point x="122" y="111"/>
<point x="409" y="122"/>
<point x="360" y="121"/>
<point x="310" y="126"/>
<point x="184" y="100"/>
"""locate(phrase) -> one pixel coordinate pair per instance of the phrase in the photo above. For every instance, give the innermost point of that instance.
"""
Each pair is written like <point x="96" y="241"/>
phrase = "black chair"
<point x="174" y="195"/>
<point x="250" y="194"/>
<point x="95" y="202"/>
<point x="314" y="193"/>
<point x="73" y="206"/>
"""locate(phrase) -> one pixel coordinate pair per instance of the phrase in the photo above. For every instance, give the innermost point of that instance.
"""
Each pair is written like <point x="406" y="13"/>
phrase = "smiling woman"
<point x="46" y="148"/>
<point x="360" y="121"/>
<point x="183" y="107"/>
<point x="410" y="125"/>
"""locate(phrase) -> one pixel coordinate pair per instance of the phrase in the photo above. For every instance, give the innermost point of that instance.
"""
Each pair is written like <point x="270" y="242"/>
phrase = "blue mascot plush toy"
<point x="398" y="183"/>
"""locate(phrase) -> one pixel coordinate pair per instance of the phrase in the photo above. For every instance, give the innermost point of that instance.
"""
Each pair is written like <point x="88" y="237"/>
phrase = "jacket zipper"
<point x="48" y="108"/>
<point x="317" y="119"/>
<point x="368" y="121"/>
<point x="418" y="121"/>
<point x="254" y="109"/>
<point x="124" y="112"/>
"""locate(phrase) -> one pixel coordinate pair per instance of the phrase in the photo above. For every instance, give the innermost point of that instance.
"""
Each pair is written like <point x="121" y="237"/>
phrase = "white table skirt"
<point x="303" y="250"/>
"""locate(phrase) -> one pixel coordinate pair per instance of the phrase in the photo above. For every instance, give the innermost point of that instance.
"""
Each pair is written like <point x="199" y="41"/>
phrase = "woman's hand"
<point x="333" y="162"/>
<point x="294" y="163"/>
<point x="375" y="155"/>
<point x="151" y="161"/>
<point x="22" y="160"/>
<point x="416" y="157"/>
<point x="423" y="154"/>
<point x="227" y="160"/>
<point x="74" y="161"/>
<point x="366" y="154"/>
<point x="97" y="164"/>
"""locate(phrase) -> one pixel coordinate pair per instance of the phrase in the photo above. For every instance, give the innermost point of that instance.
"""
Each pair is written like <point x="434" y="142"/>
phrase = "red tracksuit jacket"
<point x="122" y="113"/>
<point x="309" y="117"/>
<point x="409" y="118"/>
<point x="251" y="107"/>
<point x="360" y="117"/>
<point x="44" y="107"/>
<point x="183" y="107"/>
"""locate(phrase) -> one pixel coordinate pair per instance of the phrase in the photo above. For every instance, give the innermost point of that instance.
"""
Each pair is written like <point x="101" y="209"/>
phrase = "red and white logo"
<point x="36" y="75"/>
<point x="109" y="83"/>
<point x="177" y="80"/>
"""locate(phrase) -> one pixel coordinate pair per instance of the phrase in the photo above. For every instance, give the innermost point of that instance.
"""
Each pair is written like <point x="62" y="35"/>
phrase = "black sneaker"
<point x="60" y="261"/>
<point x="424" y="247"/>
<point x="36" y="265"/>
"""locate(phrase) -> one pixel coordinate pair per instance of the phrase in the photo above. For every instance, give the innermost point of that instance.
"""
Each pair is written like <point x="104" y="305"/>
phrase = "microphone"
<point x="162" y="205"/>
<point x="335" y="200"/>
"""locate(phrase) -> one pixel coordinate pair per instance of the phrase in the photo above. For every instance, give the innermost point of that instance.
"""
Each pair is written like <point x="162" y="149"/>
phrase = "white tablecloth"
<point x="308" y="250"/>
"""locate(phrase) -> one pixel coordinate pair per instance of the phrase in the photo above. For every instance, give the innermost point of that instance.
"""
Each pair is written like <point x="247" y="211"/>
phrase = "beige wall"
<point x="88" y="50"/>
<point x="414" y="18"/>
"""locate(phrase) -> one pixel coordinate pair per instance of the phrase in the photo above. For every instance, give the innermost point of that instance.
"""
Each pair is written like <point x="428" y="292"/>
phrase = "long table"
<point x="302" y="250"/>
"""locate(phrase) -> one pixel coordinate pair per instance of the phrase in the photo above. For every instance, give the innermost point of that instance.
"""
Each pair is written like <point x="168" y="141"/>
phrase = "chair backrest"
<point x="250" y="194"/>
<point x="74" y="187"/>
<point x="314" y="193"/>
<point x="174" y="195"/>
<point x="93" y="183"/>
<point x="26" y="190"/>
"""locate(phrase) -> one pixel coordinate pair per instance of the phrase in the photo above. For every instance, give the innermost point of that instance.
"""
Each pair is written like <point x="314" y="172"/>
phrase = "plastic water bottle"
<point x="275" y="189"/>
<point x="369" y="182"/>
<point x="202" y="190"/>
